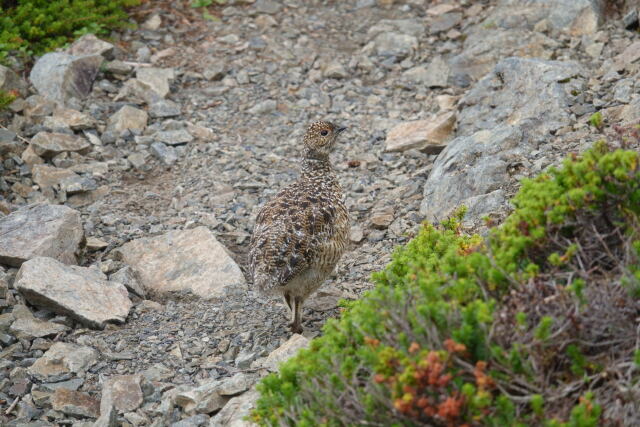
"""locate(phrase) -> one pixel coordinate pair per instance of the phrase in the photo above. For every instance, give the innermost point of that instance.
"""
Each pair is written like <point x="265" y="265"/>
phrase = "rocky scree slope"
<point x="147" y="158"/>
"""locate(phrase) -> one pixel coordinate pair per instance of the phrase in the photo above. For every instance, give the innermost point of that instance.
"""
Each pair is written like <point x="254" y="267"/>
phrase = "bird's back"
<point x="301" y="231"/>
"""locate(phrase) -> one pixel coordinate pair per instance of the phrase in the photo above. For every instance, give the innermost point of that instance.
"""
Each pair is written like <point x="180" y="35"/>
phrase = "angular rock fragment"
<point x="128" y="118"/>
<point x="188" y="260"/>
<point x="60" y="76"/>
<point x="236" y="384"/>
<point x="74" y="119"/>
<point x="203" y="399"/>
<point x="62" y="360"/>
<point x="165" y="153"/>
<point x="236" y="410"/>
<point x="75" y="403"/>
<point x="430" y="135"/>
<point x="173" y="137"/>
<point x="285" y="352"/>
<point x="629" y="56"/>
<point x="82" y="293"/>
<point x="77" y="184"/>
<point x="444" y="22"/>
<point x="40" y="230"/>
<point x="631" y="21"/>
<point x="124" y="392"/>
<point x="264" y="107"/>
<point x="28" y="327"/>
<point x="128" y="278"/>
<point x="96" y="244"/>
<point x="164" y="108"/>
<point x="10" y="81"/>
<point x="396" y="45"/>
<point x="335" y="70"/>
<point x="158" y="79"/>
<point x="87" y="197"/>
<point x="435" y="74"/>
<point x="267" y="6"/>
<point x="108" y="417"/>
<point x="49" y="144"/>
<point x="89" y="44"/>
<point x="49" y="176"/>
<point x="37" y="106"/>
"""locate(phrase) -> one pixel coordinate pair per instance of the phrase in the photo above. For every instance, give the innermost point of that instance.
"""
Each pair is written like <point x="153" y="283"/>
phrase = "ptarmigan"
<point x="302" y="232"/>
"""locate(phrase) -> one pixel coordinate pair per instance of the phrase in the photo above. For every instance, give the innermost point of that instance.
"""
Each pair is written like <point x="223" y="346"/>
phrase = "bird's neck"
<point x="316" y="163"/>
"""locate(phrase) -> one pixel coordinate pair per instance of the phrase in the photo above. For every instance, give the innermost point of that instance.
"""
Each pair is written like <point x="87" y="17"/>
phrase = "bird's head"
<point x="320" y="138"/>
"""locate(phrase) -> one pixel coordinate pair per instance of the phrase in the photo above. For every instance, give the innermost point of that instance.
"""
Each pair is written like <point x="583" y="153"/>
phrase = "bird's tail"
<point x="262" y="282"/>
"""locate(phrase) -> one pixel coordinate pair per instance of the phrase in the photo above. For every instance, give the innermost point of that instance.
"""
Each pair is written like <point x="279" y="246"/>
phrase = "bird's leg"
<point x="296" y="326"/>
<point x="290" y="300"/>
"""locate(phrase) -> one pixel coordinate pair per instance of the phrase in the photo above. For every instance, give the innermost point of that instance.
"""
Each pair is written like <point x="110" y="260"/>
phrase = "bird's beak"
<point x="340" y="130"/>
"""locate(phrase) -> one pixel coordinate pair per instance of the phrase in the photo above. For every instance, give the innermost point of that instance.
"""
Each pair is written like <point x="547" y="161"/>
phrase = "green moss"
<point x="36" y="26"/>
<point x="437" y="342"/>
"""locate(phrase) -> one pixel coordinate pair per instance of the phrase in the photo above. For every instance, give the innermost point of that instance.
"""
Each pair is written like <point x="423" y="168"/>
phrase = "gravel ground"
<point x="222" y="183"/>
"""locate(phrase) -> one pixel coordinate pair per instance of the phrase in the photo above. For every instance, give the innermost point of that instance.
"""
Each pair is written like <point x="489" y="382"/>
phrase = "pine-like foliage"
<point x="36" y="26"/>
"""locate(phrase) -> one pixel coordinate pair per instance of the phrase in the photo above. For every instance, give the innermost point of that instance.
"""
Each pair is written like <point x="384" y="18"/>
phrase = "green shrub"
<point x="534" y="325"/>
<point x="596" y="120"/>
<point x="36" y="26"/>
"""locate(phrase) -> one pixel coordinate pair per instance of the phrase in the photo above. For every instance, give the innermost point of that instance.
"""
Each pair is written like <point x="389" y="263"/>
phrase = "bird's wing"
<point x="289" y="232"/>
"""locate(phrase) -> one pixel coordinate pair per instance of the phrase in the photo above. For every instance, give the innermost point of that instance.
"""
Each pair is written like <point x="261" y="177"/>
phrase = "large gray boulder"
<point x="187" y="260"/>
<point x="506" y="115"/>
<point x="82" y="293"/>
<point x="530" y="93"/>
<point x="576" y="17"/>
<point x="484" y="48"/>
<point x="40" y="230"/>
<point x="471" y="171"/>
<point x="59" y="76"/>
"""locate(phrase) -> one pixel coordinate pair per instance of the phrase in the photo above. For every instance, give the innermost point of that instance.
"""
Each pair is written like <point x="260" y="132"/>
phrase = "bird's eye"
<point x="324" y="132"/>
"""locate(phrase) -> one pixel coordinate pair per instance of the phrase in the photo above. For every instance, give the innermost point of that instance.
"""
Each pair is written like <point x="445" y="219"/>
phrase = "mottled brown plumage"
<point x="301" y="233"/>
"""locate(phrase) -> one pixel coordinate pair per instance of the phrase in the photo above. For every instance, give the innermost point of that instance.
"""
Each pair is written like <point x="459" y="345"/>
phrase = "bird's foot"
<point x="296" y="328"/>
